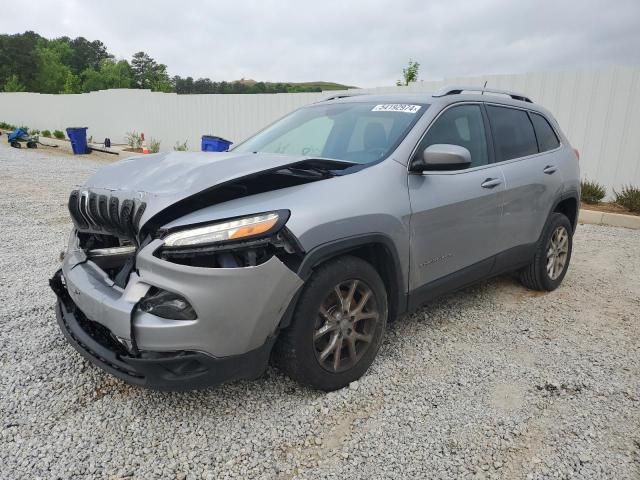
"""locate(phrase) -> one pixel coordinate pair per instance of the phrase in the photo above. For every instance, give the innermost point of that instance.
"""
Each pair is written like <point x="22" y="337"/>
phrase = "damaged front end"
<point x="179" y="308"/>
<point x="176" y="323"/>
<point x="173" y="370"/>
<point x="113" y="224"/>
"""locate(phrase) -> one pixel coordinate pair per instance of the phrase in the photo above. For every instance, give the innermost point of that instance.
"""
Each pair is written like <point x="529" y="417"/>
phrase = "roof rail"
<point x="454" y="90"/>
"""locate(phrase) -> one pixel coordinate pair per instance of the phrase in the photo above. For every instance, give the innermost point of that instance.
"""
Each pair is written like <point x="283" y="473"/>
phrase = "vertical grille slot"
<point x="139" y="212"/>
<point x="114" y="213"/>
<point x="83" y="209"/>
<point x="126" y="217"/>
<point x="92" y="206"/>
<point x="74" y="210"/>
<point x="103" y="208"/>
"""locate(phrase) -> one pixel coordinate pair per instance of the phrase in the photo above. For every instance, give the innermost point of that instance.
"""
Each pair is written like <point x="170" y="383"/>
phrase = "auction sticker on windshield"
<point x="396" y="107"/>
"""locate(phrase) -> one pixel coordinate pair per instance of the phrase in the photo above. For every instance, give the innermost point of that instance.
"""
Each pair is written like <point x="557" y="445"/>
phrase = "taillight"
<point x="575" y="150"/>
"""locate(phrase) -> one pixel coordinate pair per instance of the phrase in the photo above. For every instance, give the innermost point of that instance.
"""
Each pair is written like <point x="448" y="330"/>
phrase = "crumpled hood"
<point x="162" y="179"/>
<point x="183" y="173"/>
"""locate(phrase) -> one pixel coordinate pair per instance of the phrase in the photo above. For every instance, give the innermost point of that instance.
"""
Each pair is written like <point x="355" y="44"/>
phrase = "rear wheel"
<point x="337" y="327"/>
<point x="32" y="145"/>
<point x="15" y="144"/>
<point x="553" y="253"/>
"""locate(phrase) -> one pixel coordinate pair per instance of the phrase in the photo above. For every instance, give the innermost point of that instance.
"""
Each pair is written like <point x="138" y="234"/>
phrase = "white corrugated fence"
<point x="598" y="110"/>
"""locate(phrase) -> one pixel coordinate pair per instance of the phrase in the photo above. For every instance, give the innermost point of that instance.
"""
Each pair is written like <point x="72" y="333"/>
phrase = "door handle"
<point x="549" y="169"/>
<point x="491" y="182"/>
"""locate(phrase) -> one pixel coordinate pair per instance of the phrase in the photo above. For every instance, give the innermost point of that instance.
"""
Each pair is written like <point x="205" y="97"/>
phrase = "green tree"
<point x="86" y="54"/>
<point x="116" y="74"/>
<point x="147" y="73"/>
<point x="92" y="80"/>
<point x="409" y="74"/>
<point x="163" y="84"/>
<point x="112" y="74"/>
<point x="17" y="54"/>
<point x="62" y="47"/>
<point x="72" y="83"/>
<point x="52" y="73"/>
<point x="13" y="84"/>
<point x="183" y="85"/>
<point x="33" y="63"/>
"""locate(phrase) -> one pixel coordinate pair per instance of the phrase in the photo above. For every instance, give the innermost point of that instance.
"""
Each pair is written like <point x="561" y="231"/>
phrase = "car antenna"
<point x="483" y="87"/>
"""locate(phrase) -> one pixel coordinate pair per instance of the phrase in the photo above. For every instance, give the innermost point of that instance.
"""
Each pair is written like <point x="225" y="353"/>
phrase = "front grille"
<point x="100" y="213"/>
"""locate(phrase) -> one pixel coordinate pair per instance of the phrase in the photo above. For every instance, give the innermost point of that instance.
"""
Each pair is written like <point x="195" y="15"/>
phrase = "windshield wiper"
<point x="319" y="167"/>
<point x="311" y="169"/>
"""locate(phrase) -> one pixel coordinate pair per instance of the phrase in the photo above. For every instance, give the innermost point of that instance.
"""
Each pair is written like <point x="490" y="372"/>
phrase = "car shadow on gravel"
<point x="273" y="384"/>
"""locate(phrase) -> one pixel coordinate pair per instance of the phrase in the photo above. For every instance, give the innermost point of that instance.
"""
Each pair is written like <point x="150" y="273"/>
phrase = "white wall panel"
<point x="598" y="110"/>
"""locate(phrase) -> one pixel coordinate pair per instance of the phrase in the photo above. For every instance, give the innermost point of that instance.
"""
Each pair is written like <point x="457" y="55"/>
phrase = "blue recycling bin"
<point x="78" y="137"/>
<point x="211" y="143"/>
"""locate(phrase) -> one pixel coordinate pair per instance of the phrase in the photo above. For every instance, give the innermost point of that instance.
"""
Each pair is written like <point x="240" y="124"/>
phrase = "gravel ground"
<point x="492" y="382"/>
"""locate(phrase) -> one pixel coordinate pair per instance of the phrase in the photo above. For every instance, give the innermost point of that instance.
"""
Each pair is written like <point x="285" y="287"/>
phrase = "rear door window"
<point x="547" y="139"/>
<point x="513" y="132"/>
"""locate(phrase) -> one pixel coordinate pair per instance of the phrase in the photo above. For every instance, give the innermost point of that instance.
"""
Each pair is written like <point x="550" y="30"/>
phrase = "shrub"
<point x="154" y="145"/>
<point x="629" y="198"/>
<point x="46" y="133"/>
<point x="34" y="132"/>
<point x="134" y="140"/>
<point x="181" y="147"/>
<point x="7" y="126"/>
<point x="59" y="134"/>
<point x="592" y="191"/>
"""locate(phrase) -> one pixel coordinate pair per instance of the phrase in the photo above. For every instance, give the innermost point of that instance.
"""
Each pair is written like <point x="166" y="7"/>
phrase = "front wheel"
<point x="553" y="253"/>
<point x="338" y="325"/>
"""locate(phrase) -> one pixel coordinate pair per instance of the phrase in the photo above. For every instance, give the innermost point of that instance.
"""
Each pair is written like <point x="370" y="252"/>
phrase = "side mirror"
<point x="442" y="156"/>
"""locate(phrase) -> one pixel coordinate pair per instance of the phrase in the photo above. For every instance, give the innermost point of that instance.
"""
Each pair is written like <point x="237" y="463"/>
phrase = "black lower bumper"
<point x="174" y="371"/>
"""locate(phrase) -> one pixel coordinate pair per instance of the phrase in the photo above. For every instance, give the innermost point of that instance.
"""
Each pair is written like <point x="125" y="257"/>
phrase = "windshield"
<point x="357" y="132"/>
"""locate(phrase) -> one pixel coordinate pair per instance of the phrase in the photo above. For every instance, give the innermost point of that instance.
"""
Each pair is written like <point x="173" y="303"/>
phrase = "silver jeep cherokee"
<point x="185" y="270"/>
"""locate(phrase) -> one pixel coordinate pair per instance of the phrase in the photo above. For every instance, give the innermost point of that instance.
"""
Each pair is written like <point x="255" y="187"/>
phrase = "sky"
<point x="362" y="43"/>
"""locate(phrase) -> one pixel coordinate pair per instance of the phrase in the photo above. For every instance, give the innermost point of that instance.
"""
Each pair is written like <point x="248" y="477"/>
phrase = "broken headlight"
<point x="237" y="229"/>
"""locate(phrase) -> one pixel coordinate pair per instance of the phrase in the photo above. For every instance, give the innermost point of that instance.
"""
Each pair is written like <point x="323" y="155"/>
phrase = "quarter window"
<point x="512" y="132"/>
<point x="547" y="139"/>
<point x="462" y="125"/>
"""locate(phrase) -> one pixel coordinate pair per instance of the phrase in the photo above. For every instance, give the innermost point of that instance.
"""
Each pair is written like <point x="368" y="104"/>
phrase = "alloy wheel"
<point x="345" y="325"/>
<point x="557" y="252"/>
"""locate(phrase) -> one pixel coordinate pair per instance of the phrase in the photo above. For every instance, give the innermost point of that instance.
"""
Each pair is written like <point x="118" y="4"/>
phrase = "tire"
<point x="32" y="145"/>
<point x="537" y="275"/>
<point x="320" y="325"/>
<point x="16" y="145"/>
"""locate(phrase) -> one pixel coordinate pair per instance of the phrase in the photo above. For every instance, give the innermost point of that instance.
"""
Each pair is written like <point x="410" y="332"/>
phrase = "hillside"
<point x="321" y="86"/>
